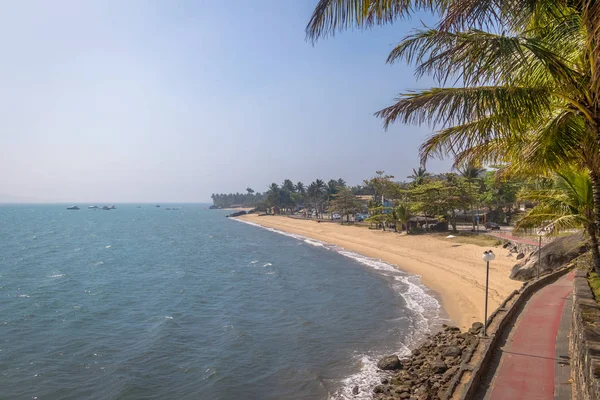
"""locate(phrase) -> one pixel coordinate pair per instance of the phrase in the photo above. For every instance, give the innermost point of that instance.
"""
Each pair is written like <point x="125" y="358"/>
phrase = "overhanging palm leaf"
<point x="449" y="106"/>
<point x="331" y="16"/>
<point x="477" y="56"/>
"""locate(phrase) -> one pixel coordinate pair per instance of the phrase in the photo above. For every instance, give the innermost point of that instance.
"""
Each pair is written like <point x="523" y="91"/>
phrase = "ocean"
<point x="149" y="303"/>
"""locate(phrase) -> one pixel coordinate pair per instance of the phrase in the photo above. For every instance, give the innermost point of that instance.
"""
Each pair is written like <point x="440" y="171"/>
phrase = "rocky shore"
<point x="427" y="373"/>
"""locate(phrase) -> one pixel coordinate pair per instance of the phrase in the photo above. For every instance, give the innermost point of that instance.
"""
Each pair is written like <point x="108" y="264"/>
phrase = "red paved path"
<point x="508" y="236"/>
<point x="526" y="369"/>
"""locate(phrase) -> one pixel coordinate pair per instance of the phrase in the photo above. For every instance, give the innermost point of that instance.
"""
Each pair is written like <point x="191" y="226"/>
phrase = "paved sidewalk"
<point x="531" y="357"/>
<point x="515" y="239"/>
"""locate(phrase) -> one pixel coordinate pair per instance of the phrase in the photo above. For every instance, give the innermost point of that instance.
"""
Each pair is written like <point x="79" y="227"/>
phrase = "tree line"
<point x="390" y="203"/>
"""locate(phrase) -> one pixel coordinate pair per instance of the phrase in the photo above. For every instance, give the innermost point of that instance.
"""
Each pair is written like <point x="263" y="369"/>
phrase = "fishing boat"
<point x="73" y="208"/>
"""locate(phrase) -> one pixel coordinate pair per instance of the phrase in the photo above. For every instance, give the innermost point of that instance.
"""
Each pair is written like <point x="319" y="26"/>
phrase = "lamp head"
<point x="488" y="255"/>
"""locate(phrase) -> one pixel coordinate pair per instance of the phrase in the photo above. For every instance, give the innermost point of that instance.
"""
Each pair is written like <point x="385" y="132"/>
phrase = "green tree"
<point x="288" y="185"/>
<point x="274" y="198"/>
<point x="569" y="204"/>
<point x="419" y="176"/>
<point x="401" y="214"/>
<point x="345" y="203"/>
<point x="472" y="173"/>
<point x="380" y="185"/>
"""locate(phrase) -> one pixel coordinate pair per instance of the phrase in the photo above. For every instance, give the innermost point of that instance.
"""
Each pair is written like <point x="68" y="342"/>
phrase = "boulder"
<point x="355" y="390"/>
<point x="452" y="351"/>
<point x="476" y="328"/>
<point x="438" y="367"/>
<point x="389" y="363"/>
<point x="520" y="255"/>
<point x="554" y="255"/>
<point x="379" y="389"/>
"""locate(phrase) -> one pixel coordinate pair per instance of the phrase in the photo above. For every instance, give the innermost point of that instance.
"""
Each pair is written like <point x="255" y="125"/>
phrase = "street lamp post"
<point x="487" y="257"/>
<point x="541" y="232"/>
<point x="539" y="257"/>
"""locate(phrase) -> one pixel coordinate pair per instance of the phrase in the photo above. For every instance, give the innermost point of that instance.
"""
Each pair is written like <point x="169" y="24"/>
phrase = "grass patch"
<point x="594" y="281"/>
<point x="478" y="239"/>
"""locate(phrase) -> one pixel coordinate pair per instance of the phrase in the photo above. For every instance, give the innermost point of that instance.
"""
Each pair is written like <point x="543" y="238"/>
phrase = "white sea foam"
<point x="108" y="247"/>
<point x="267" y="265"/>
<point x="253" y="262"/>
<point x="315" y="243"/>
<point x="426" y="315"/>
<point x="56" y="276"/>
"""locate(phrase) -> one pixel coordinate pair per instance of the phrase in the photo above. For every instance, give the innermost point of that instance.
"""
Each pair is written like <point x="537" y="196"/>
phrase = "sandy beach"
<point x="452" y="269"/>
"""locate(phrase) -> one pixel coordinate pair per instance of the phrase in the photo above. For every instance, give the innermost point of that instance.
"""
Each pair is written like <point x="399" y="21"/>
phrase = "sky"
<point x="170" y="101"/>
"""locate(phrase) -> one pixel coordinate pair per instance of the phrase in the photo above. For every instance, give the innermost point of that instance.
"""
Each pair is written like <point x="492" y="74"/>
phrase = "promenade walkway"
<point x="533" y="363"/>
<point x="514" y="239"/>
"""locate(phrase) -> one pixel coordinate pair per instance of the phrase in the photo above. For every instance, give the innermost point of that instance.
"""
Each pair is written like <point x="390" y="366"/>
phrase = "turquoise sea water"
<point x="145" y="303"/>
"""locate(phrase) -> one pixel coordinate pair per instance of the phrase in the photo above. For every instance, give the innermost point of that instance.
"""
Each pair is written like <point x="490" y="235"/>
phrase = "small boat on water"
<point x="157" y="205"/>
<point x="106" y="208"/>
<point x="92" y="207"/>
<point x="73" y="208"/>
<point x="112" y="207"/>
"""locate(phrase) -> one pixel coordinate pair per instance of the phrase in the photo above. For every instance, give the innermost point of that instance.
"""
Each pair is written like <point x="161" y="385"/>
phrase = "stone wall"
<point x="585" y="340"/>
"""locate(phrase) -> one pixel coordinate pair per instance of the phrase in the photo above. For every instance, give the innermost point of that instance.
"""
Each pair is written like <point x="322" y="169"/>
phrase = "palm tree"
<point x="300" y="188"/>
<point x="401" y="214"/>
<point x="274" y="197"/>
<point x="419" y="176"/>
<point x="569" y="204"/>
<point x="535" y="80"/>
<point x="472" y="172"/>
<point x="288" y="185"/>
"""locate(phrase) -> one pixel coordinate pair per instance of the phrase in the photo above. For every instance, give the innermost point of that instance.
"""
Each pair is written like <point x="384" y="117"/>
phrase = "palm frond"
<point x="449" y="106"/>
<point x="476" y="57"/>
<point x="331" y="16"/>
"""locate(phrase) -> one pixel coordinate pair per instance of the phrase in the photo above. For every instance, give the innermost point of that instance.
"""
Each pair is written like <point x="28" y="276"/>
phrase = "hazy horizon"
<point x="147" y="101"/>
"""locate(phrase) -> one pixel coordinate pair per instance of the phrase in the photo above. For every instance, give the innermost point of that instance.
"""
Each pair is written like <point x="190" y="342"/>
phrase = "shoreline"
<point x="453" y="271"/>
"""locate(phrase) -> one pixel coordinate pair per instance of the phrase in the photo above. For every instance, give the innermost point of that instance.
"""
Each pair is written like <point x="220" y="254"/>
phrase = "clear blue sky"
<point x="127" y="101"/>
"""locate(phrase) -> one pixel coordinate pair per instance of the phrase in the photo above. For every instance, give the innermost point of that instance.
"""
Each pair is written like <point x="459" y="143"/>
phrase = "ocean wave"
<point x="425" y="307"/>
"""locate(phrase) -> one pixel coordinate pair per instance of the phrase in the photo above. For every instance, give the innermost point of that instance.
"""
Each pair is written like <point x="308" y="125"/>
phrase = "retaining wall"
<point x="585" y="340"/>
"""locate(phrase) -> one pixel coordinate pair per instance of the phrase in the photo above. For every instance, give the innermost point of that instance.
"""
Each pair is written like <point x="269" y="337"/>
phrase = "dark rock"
<point x="476" y="328"/>
<point x="402" y="389"/>
<point x="237" y="214"/>
<point x="452" y="351"/>
<point x="355" y="390"/>
<point x="438" y="367"/>
<point x="514" y="250"/>
<point x="520" y="255"/>
<point x="379" y="389"/>
<point x="385" y="381"/>
<point x="389" y="363"/>
<point x="554" y="255"/>
<point x="506" y="245"/>
<point x="404" y="396"/>
<point x="452" y="329"/>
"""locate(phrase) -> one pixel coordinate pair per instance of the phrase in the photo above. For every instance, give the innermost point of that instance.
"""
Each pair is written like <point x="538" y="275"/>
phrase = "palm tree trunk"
<point x="596" y="189"/>
<point x="595" y="251"/>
